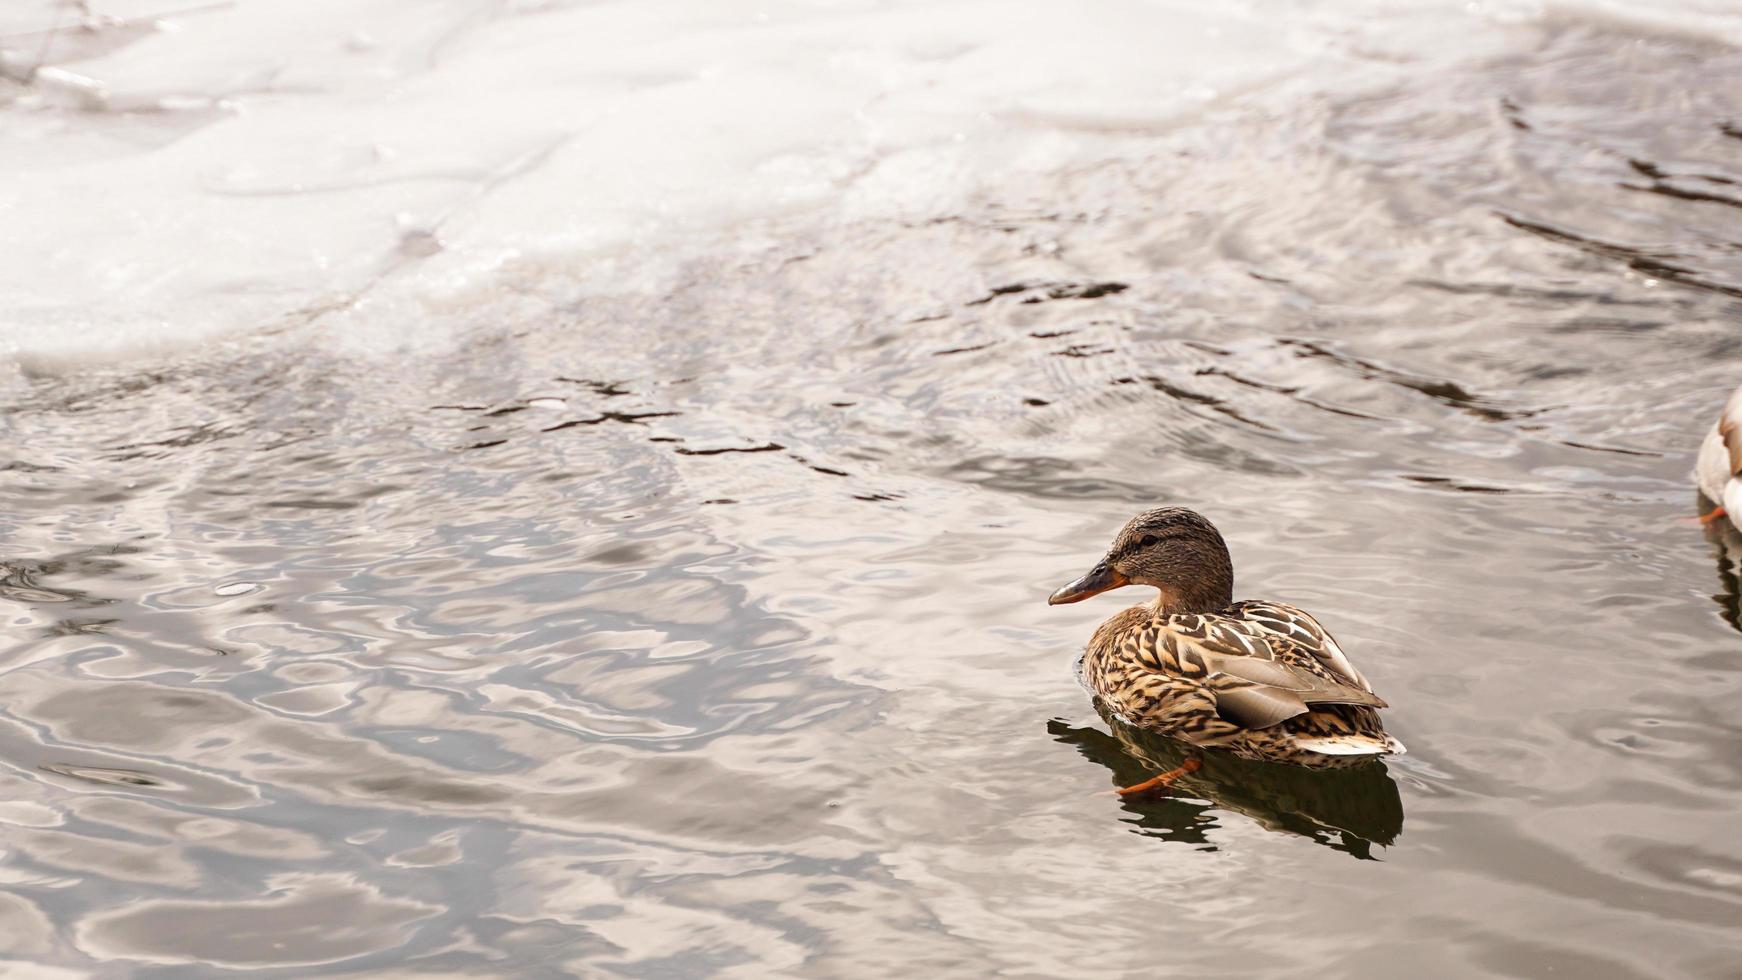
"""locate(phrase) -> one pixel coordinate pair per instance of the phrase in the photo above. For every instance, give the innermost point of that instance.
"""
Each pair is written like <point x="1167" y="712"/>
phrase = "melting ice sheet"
<point x="172" y="170"/>
<point x="168" y="171"/>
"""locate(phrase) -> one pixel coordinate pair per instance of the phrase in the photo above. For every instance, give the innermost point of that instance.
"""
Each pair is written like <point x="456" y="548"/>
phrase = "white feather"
<point x="1733" y="502"/>
<point x="1352" y="745"/>
<point x="1712" y="468"/>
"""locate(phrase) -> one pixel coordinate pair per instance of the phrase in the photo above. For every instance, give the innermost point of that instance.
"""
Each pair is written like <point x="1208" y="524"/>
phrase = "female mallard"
<point x="1261" y="679"/>
<point x="1719" y="469"/>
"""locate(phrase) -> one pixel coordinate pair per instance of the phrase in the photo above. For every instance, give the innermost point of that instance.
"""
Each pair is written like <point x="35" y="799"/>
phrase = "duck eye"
<point x="1148" y="539"/>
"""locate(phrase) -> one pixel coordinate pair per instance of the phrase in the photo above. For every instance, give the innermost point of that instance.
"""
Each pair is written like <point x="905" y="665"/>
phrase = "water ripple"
<point x="692" y="622"/>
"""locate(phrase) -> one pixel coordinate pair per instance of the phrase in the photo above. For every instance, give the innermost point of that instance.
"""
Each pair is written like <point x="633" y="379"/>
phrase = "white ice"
<point x="171" y="172"/>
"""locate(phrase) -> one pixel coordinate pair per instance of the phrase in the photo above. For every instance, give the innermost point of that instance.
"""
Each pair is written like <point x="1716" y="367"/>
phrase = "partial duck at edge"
<point x="1719" y="468"/>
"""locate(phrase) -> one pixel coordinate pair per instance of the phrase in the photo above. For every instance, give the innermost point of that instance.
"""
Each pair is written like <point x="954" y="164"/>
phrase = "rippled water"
<point x="696" y="626"/>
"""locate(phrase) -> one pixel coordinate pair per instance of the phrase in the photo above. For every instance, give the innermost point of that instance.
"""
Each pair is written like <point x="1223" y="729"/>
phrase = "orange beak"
<point x="1100" y="579"/>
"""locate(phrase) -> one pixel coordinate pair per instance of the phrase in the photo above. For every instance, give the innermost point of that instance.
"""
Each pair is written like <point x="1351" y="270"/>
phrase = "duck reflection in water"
<point x="1347" y="810"/>
<point x="1727" y="552"/>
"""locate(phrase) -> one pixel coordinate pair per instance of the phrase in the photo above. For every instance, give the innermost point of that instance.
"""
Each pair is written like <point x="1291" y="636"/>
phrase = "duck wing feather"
<point x="1281" y="619"/>
<point x="1258" y="676"/>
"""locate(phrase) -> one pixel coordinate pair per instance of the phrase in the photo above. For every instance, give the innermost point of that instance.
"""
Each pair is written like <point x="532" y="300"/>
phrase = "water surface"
<point x="696" y="626"/>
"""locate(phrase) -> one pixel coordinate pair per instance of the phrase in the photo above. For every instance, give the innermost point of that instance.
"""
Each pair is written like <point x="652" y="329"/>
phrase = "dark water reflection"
<point x="1726" y="543"/>
<point x="698" y="628"/>
<point x="1346" y="809"/>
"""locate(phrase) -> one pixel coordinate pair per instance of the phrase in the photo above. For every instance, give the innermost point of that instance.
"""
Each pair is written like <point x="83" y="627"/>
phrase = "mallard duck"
<point x="1719" y="469"/>
<point x="1260" y="679"/>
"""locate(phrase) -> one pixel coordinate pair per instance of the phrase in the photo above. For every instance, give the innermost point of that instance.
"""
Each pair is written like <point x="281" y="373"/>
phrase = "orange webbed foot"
<point x="1162" y="781"/>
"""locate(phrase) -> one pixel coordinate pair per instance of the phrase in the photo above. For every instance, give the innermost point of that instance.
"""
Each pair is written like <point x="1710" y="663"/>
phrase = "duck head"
<point x="1172" y="549"/>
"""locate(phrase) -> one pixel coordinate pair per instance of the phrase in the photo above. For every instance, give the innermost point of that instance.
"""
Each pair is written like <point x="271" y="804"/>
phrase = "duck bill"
<point x="1100" y="579"/>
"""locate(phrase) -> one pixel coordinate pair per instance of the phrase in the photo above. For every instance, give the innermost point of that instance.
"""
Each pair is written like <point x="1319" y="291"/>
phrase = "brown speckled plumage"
<point x="1260" y="679"/>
